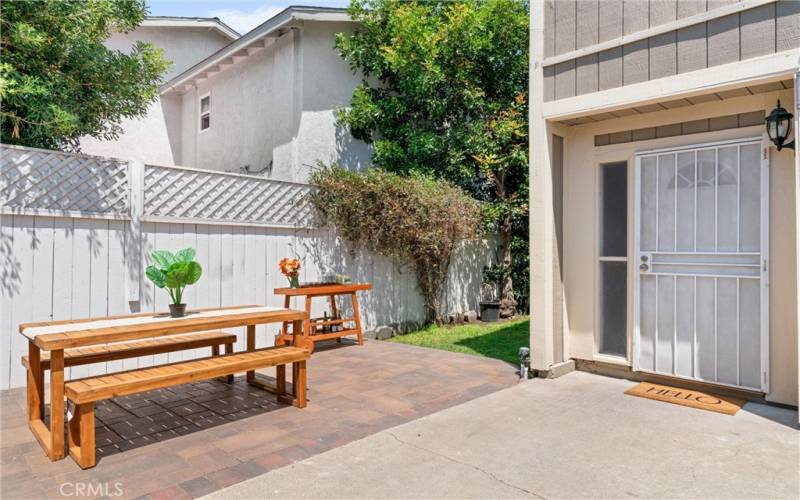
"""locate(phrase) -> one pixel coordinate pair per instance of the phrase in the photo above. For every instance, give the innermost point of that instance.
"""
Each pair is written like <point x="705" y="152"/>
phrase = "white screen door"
<point x="700" y="300"/>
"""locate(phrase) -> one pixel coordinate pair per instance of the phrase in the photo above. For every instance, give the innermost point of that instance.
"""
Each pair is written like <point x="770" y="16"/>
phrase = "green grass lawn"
<point x="500" y="340"/>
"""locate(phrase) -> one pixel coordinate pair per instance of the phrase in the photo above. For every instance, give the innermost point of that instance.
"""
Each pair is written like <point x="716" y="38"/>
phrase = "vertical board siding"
<point x="586" y="74"/>
<point x="663" y="55"/>
<point x="61" y="268"/>
<point x="549" y="28"/>
<point x="565" y="22"/>
<point x="754" y="32"/>
<point x="663" y="11"/>
<point x="565" y="80"/>
<point x="723" y="40"/>
<point x="549" y="84"/>
<point x="609" y="20"/>
<point x="635" y="16"/>
<point x="757" y="31"/>
<point x="692" y="49"/>
<point x="635" y="62"/>
<point x="787" y="25"/>
<point x="587" y="23"/>
<point x="610" y="68"/>
<point x="716" y="4"/>
<point x="688" y="8"/>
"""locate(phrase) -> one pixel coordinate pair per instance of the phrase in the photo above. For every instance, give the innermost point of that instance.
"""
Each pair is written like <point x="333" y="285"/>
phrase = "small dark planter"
<point x="490" y="311"/>
<point x="177" y="310"/>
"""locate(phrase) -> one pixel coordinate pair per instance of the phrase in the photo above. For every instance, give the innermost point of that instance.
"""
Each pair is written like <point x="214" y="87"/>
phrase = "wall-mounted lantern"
<point x="779" y="127"/>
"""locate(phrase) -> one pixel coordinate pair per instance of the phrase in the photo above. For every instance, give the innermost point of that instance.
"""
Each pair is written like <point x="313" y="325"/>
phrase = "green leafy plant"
<point x="414" y="219"/>
<point x="445" y="93"/>
<point x="174" y="271"/>
<point x="59" y="81"/>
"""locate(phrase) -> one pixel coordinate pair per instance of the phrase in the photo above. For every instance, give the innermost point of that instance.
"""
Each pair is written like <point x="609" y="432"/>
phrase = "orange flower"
<point x="289" y="267"/>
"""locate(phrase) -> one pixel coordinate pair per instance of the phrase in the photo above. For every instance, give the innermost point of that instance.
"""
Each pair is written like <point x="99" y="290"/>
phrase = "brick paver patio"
<point x="193" y="439"/>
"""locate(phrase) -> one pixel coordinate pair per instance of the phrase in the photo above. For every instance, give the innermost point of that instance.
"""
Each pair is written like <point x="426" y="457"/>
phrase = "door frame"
<point x="763" y="140"/>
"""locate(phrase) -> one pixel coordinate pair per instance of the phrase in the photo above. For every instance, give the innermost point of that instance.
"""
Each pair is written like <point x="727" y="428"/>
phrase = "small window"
<point x="205" y="112"/>
<point x="613" y="248"/>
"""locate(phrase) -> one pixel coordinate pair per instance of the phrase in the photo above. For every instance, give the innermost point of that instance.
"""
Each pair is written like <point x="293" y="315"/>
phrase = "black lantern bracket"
<point x="779" y="127"/>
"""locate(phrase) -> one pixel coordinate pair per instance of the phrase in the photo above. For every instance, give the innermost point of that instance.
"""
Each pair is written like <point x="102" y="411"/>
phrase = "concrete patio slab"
<point x="191" y="440"/>
<point x="577" y="436"/>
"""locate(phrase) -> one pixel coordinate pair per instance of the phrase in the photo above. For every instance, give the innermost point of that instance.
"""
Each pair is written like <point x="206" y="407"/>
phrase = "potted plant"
<point x="490" y="295"/>
<point x="174" y="272"/>
<point x="291" y="269"/>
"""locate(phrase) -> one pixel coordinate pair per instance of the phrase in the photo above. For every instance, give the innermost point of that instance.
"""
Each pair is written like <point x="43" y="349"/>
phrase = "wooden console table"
<point x="321" y="328"/>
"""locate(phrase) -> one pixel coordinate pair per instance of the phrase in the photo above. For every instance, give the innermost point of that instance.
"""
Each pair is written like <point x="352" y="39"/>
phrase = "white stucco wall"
<point x="251" y="113"/>
<point x="328" y="84"/>
<point x="147" y="139"/>
<point x="276" y="108"/>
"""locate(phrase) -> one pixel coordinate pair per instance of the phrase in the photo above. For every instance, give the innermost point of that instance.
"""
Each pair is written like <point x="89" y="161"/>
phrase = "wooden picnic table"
<point x="55" y="336"/>
<point x="318" y="329"/>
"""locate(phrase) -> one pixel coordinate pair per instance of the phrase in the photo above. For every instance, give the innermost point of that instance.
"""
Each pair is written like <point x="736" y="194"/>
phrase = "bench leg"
<point x="280" y="382"/>
<point x="251" y="346"/>
<point x="299" y="381"/>
<point x="81" y="436"/>
<point x="229" y="350"/>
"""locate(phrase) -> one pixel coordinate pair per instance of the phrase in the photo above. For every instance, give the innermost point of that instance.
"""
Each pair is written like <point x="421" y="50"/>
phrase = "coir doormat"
<point x="687" y="397"/>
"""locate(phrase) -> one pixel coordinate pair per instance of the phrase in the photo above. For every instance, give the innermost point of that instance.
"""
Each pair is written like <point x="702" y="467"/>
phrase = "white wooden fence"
<point x="76" y="230"/>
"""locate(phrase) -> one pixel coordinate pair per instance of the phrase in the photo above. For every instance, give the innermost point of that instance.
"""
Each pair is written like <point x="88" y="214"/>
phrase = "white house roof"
<point x="257" y="39"/>
<point x="211" y="23"/>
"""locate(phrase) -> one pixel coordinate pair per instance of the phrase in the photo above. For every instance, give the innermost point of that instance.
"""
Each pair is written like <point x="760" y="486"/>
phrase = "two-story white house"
<point x="185" y="41"/>
<point x="664" y="221"/>
<point x="262" y="103"/>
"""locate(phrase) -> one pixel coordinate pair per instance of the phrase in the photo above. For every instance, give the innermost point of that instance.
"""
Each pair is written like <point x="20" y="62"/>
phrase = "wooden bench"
<point x="85" y="392"/>
<point x="125" y="350"/>
<point x="147" y="347"/>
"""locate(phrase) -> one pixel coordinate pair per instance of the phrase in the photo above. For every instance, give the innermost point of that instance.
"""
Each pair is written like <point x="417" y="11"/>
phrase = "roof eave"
<point x="208" y="23"/>
<point x="282" y="20"/>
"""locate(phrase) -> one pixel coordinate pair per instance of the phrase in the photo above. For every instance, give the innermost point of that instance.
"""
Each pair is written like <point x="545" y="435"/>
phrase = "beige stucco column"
<point x="541" y="205"/>
<point x="796" y="126"/>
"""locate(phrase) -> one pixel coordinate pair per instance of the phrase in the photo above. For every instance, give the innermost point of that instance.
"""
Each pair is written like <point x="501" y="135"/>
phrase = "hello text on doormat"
<point x="687" y="397"/>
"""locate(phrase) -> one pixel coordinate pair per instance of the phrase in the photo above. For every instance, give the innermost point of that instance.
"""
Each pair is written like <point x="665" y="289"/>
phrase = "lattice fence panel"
<point x="39" y="180"/>
<point x="196" y="194"/>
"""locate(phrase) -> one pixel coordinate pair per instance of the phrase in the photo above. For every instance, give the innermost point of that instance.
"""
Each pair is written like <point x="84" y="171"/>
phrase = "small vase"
<point x="294" y="281"/>
<point x="177" y="310"/>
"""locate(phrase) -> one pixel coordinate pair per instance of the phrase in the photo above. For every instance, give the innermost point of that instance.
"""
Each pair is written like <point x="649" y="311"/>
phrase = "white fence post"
<point x="133" y="233"/>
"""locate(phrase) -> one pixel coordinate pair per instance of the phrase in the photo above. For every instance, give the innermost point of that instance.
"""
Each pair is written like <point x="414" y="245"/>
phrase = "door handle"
<point x="644" y="267"/>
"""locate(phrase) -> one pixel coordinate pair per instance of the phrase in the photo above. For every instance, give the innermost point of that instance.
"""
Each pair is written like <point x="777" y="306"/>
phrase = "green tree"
<point x="444" y="93"/>
<point x="58" y="81"/>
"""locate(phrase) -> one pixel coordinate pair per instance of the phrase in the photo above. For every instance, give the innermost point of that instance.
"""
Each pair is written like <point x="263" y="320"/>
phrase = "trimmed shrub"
<point x="416" y="220"/>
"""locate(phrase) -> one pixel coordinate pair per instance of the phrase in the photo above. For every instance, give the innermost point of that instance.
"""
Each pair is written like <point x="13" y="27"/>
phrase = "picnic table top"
<point x="49" y="335"/>
<point x="323" y="289"/>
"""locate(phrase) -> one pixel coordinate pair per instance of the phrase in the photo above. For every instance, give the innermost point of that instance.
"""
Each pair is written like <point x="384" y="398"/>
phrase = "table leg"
<point x="357" y="318"/>
<point x="335" y="313"/>
<point x="281" y="338"/>
<point x="51" y="439"/>
<point x="35" y="384"/>
<point x="56" y="404"/>
<point x="308" y="311"/>
<point x="251" y="346"/>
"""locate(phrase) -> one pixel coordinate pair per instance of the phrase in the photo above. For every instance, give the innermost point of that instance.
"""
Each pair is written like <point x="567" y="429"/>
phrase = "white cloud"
<point x="243" y="20"/>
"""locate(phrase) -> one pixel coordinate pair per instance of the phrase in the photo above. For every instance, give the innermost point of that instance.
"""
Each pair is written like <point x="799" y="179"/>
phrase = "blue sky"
<point x="241" y="15"/>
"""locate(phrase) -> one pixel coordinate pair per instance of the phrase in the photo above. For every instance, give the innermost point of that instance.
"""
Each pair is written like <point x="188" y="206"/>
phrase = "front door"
<point x="700" y="303"/>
